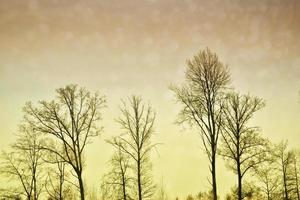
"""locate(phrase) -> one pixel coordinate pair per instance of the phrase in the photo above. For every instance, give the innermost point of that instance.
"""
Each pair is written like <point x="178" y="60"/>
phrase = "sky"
<point x="140" y="47"/>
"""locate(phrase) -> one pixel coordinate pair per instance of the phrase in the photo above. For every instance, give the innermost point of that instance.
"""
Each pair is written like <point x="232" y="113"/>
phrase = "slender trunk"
<point x="124" y="187"/>
<point x="286" y="194"/>
<point x="139" y="179"/>
<point x="269" y="198"/>
<point x="123" y="174"/>
<point x="213" y="174"/>
<point x="284" y="177"/>
<point x="61" y="167"/>
<point x="213" y="146"/>
<point x="81" y="186"/>
<point x="34" y="185"/>
<point x="268" y="190"/>
<point x="239" y="182"/>
<point x="238" y="163"/>
<point x="34" y="191"/>
<point x="60" y="194"/>
<point x="138" y="139"/>
<point x="61" y="189"/>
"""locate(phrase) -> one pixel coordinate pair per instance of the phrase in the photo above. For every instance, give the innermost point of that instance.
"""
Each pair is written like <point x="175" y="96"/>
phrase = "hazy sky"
<point x="139" y="46"/>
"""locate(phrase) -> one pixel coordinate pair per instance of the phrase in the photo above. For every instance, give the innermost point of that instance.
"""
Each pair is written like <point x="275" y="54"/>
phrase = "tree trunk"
<point x="139" y="180"/>
<point x="61" y="191"/>
<point x="213" y="174"/>
<point x="284" y="171"/>
<point x="268" y="191"/>
<point x="81" y="186"/>
<point x="286" y="197"/>
<point x="269" y="198"/>
<point x="238" y="165"/>
<point x="34" y="185"/>
<point x="239" y="182"/>
<point x="61" y="168"/>
<point x="124" y="187"/>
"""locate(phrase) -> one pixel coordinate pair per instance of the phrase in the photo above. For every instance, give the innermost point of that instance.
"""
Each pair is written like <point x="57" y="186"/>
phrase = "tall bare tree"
<point x="118" y="182"/>
<point x="285" y="163"/>
<point x="202" y="98"/>
<point x="242" y="146"/>
<point x="137" y="122"/>
<point x="24" y="164"/>
<point x="71" y="121"/>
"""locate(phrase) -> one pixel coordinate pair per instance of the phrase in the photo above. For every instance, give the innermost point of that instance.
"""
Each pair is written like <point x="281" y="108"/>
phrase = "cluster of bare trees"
<point x="130" y="176"/>
<point x="222" y="116"/>
<point x="48" y="156"/>
<point x="24" y="164"/>
<point x="279" y="175"/>
<point x="49" y="152"/>
<point x="274" y="179"/>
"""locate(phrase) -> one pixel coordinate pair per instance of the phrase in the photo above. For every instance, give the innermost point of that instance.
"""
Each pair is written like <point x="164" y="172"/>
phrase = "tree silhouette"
<point x="296" y="173"/>
<point x="57" y="184"/>
<point x="24" y="164"/>
<point x="71" y="122"/>
<point x="267" y="174"/>
<point x="202" y="98"/>
<point x="242" y="146"/>
<point x="137" y="122"/>
<point x="285" y="163"/>
<point x="117" y="183"/>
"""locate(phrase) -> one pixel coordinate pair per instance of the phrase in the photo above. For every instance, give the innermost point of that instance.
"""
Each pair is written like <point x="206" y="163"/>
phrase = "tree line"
<point x="47" y="159"/>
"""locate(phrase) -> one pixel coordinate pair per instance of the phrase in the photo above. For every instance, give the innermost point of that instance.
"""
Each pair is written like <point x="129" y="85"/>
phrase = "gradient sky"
<point x="141" y="46"/>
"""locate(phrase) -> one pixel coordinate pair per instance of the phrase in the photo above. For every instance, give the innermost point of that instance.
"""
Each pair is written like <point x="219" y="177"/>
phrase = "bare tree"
<point x="57" y="185"/>
<point x="137" y="121"/>
<point x="268" y="176"/>
<point x="242" y="146"/>
<point x="296" y="173"/>
<point x="202" y="98"/>
<point x="70" y="121"/>
<point x="105" y="190"/>
<point x="285" y="163"/>
<point x="118" y="181"/>
<point x="24" y="164"/>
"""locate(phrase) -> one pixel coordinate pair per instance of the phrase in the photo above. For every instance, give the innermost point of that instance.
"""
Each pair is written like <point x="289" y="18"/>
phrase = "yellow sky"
<point x="140" y="46"/>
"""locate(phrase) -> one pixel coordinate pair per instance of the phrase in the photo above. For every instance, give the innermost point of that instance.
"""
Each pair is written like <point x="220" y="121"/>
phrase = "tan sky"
<point x="140" y="46"/>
